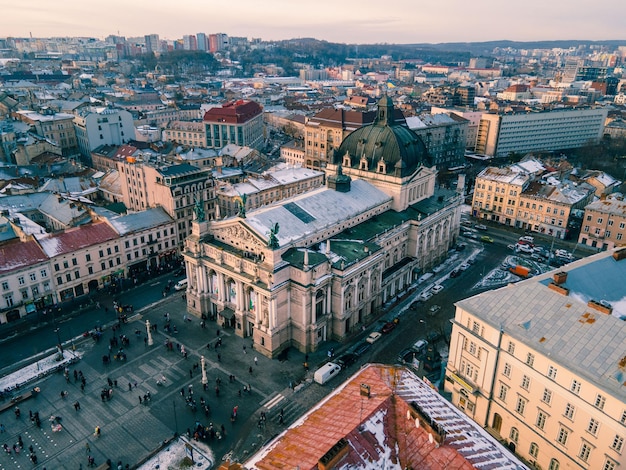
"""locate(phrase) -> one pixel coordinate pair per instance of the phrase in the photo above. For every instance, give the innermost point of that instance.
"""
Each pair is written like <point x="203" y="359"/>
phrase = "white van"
<point x="326" y="372"/>
<point x="182" y="284"/>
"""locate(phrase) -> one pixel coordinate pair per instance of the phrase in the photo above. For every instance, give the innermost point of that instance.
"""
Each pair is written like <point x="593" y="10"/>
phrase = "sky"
<point x="344" y="21"/>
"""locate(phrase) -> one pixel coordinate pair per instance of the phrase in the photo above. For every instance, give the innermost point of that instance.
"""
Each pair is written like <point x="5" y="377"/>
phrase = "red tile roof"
<point x="383" y="428"/>
<point x="16" y="255"/>
<point x="76" y="238"/>
<point x="234" y="112"/>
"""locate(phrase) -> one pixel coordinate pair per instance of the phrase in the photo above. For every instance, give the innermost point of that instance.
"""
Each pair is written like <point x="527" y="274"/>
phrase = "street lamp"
<point x="59" y="345"/>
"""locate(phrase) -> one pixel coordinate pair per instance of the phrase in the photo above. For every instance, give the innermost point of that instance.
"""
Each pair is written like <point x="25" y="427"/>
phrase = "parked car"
<point x="426" y="295"/>
<point x="434" y="309"/>
<point x="346" y="360"/>
<point x="407" y="356"/>
<point x="373" y="337"/>
<point x="524" y="248"/>
<point x="181" y="285"/>
<point x="361" y="348"/>
<point x="420" y="346"/>
<point x="456" y="272"/>
<point x="437" y="288"/>
<point x="480" y="227"/>
<point x="388" y="327"/>
<point x="486" y="239"/>
<point x="464" y="266"/>
<point x="527" y="238"/>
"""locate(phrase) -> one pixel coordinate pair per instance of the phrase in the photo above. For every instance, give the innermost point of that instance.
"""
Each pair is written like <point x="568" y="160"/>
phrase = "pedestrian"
<point x="256" y="361"/>
<point x="140" y="402"/>
<point x="75" y="375"/>
<point x="82" y="387"/>
<point x="115" y="383"/>
<point x="190" y="373"/>
<point x="109" y="381"/>
<point x="145" y="341"/>
<point x="182" y="391"/>
<point x="250" y="369"/>
<point x="244" y="349"/>
<point x="3" y="429"/>
<point x="87" y="448"/>
<point x="76" y="405"/>
<point x="20" y="442"/>
<point x="130" y="386"/>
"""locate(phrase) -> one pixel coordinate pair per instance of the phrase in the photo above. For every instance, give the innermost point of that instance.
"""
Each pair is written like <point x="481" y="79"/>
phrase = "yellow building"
<point x="541" y="364"/>
<point x="604" y="224"/>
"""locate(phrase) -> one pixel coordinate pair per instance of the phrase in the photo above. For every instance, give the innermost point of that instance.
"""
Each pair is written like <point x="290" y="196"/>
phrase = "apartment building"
<point x="604" y="224"/>
<point x="501" y="134"/>
<point x="235" y="122"/>
<point x="192" y="134"/>
<point x="512" y="197"/>
<point x="444" y="137"/>
<point x="325" y="131"/>
<point x="96" y="126"/>
<point x="57" y="127"/>
<point x="293" y="153"/>
<point x="473" y="121"/>
<point x="540" y="364"/>
<point x="176" y="188"/>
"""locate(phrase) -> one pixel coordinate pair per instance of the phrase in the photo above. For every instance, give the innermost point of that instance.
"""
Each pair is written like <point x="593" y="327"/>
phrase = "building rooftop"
<point x="76" y="238"/>
<point x="384" y="417"/>
<point x="503" y="175"/>
<point x="16" y="255"/>
<point x="565" y="327"/>
<point x="138" y="221"/>
<point x="609" y="206"/>
<point x="316" y="210"/>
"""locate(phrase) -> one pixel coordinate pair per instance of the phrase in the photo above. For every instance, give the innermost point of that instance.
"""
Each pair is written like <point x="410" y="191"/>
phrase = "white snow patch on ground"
<point x="173" y="454"/>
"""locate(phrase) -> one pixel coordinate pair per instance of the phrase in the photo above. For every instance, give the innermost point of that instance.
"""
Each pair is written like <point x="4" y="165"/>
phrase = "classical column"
<point x="329" y="299"/>
<point x="221" y="287"/>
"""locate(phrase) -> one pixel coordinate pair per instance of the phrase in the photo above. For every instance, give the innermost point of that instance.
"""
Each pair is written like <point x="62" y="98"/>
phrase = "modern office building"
<point x="236" y="122"/>
<point x="541" y="364"/>
<point x="500" y="135"/>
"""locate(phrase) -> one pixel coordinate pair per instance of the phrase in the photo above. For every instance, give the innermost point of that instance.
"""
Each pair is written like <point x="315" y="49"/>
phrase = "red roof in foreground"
<point x="16" y="255"/>
<point x="403" y="423"/>
<point x="76" y="238"/>
<point x="234" y="112"/>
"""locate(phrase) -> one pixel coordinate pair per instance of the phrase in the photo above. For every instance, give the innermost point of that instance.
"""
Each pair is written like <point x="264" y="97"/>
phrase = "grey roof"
<point x="138" y="221"/>
<point x="326" y="207"/>
<point x="564" y="327"/>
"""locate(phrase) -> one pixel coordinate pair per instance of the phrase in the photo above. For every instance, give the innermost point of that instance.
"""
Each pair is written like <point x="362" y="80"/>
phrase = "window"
<point x="472" y="348"/>
<point x="101" y="253"/>
<point x="20" y="280"/>
<point x="511" y="347"/>
<point x="541" y="419"/>
<point x="618" y="443"/>
<point x="552" y="372"/>
<point x="24" y="294"/>
<point x="103" y="266"/>
<point x="43" y="273"/>
<point x="68" y="277"/>
<point x="476" y="327"/>
<point x="547" y="396"/>
<point x="503" y="391"/>
<point x="514" y="434"/>
<point x="5" y="285"/>
<point x="507" y="371"/>
<point x="585" y="450"/>
<point x="521" y="405"/>
<point x="90" y="270"/>
<point x="623" y="418"/>
<point x="575" y="387"/>
<point x="46" y="286"/>
<point x="525" y="382"/>
<point x="77" y="274"/>
<point x="592" y="427"/>
<point x="534" y="450"/>
<point x="66" y="264"/>
<point x="108" y="250"/>
<point x="554" y="464"/>
<point x="33" y="277"/>
<point x="562" y="436"/>
<point x="59" y="280"/>
<point x="609" y="465"/>
<point x="530" y="359"/>
<point x="74" y="262"/>
<point x="600" y="401"/>
<point x="88" y="257"/>
<point x="569" y="411"/>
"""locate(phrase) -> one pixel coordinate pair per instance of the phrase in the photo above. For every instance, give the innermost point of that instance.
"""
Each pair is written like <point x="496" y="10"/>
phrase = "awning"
<point x="461" y="382"/>
<point x="228" y="313"/>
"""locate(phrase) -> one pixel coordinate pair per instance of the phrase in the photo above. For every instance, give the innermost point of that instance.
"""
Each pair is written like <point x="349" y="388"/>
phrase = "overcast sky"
<point x="346" y="21"/>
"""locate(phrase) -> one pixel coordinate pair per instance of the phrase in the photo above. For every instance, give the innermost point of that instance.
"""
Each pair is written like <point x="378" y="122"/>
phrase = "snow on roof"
<point x="397" y="421"/>
<point x="76" y="238"/>
<point x="528" y="166"/>
<point x="16" y="255"/>
<point x="138" y="221"/>
<point x="313" y="211"/>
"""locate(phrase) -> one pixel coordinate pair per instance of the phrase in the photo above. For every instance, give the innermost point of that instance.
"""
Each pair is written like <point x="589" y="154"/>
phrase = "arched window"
<point x="514" y="434"/>
<point x="554" y="464"/>
<point x="319" y="305"/>
<point x="534" y="450"/>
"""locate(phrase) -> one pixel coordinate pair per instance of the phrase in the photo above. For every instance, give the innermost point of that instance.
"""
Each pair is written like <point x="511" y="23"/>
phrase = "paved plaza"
<point x="133" y="428"/>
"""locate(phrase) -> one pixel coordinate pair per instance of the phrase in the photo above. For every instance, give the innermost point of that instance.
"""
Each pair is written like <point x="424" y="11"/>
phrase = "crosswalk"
<point x="277" y="405"/>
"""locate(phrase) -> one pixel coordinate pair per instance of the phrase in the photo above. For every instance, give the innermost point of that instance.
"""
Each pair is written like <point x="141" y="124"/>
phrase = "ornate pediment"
<point x="236" y="231"/>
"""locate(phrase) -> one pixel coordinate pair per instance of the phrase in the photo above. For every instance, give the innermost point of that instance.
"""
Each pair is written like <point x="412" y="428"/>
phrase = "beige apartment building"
<point x="57" y="127"/>
<point x="541" y="363"/>
<point x="192" y="134"/>
<point x="176" y="188"/>
<point x="604" y="224"/>
<point x="513" y="198"/>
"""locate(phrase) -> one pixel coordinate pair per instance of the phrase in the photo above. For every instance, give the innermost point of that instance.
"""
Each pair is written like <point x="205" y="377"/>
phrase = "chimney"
<point x="560" y="277"/>
<point x="619" y="255"/>
<point x="306" y="258"/>
<point x="600" y="307"/>
<point x="557" y="288"/>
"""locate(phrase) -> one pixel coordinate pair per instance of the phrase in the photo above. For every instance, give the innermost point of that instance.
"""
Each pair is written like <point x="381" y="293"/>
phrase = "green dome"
<point x="401" y="149"/>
